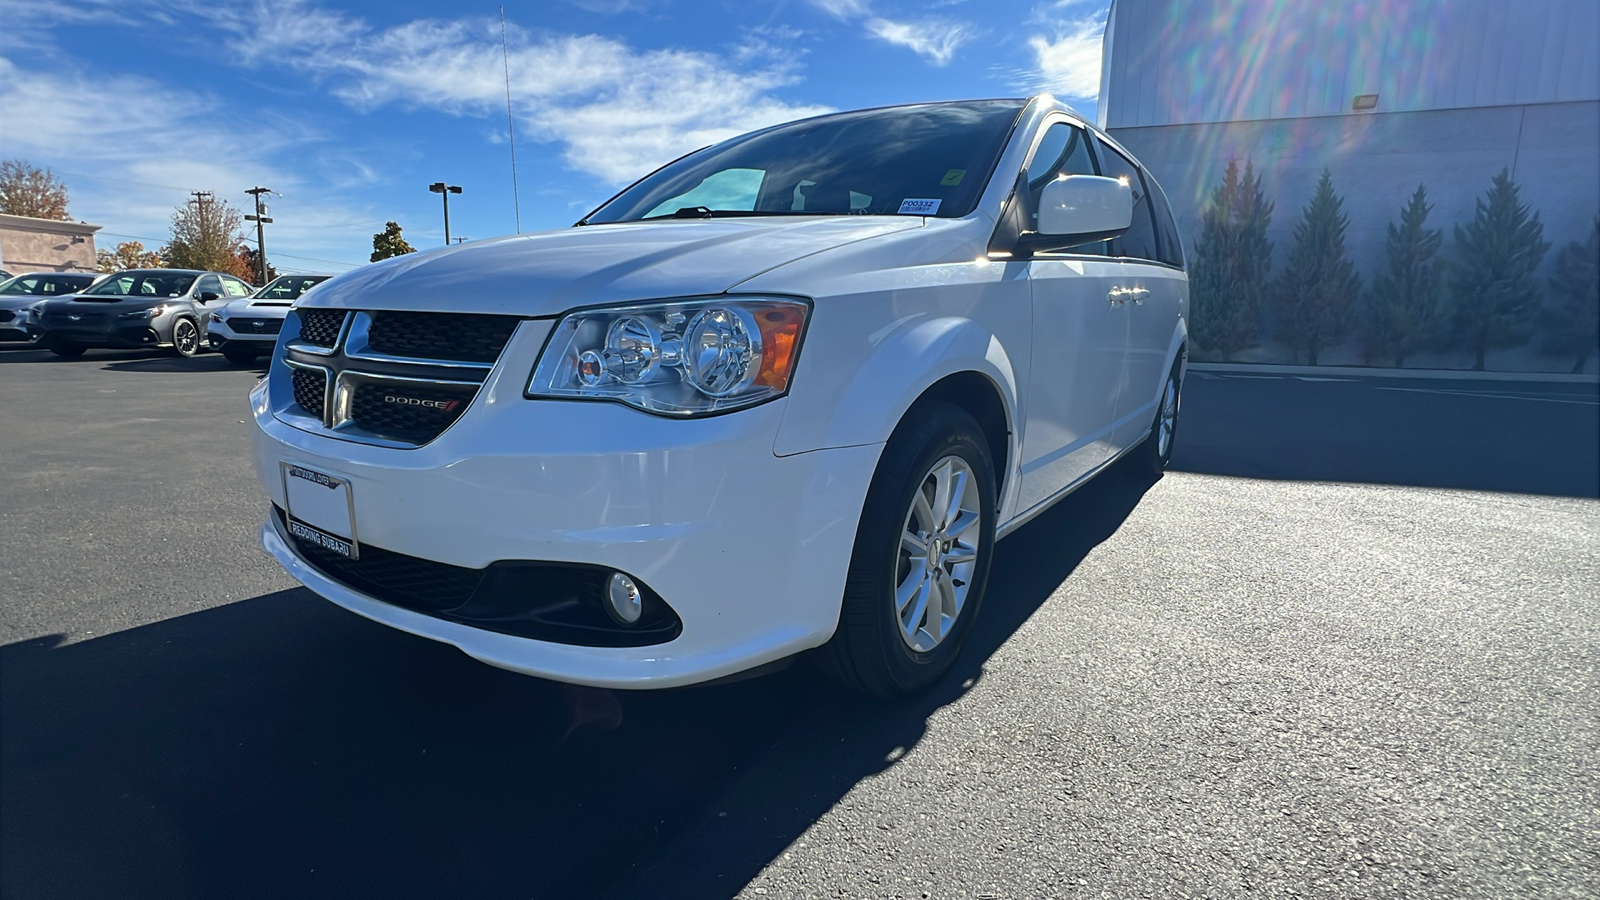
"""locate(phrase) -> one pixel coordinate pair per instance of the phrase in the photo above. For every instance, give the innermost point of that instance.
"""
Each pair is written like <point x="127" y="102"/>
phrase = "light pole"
<point x="261" y="219"/>
<point x="444" y="191"/>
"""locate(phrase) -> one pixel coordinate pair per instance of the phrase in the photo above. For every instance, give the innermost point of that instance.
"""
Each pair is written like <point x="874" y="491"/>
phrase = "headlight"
<point x="682" y="358"/>
<point x="151" y="313"/>
<point x="217" y="318"/>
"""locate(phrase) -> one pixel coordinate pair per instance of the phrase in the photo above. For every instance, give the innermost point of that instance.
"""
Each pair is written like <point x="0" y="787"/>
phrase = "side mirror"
<point x="209" y="296"/>
<point x="1083" y="209"/>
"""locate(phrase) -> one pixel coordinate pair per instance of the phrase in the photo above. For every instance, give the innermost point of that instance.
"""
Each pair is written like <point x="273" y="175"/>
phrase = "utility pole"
<point x="444" y="191"/>
<point x="261" y="219"/>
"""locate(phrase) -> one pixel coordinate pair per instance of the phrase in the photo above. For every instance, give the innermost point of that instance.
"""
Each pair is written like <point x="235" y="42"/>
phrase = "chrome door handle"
<point x="1137" y="295"/>
<point x="1117" y="296"/>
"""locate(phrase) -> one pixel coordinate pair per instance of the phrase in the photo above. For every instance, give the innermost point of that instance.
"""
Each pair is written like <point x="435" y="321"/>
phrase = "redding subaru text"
<point x="783" y="394"/>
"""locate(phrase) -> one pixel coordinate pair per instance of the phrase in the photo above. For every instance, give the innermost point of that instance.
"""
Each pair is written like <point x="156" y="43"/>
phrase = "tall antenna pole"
<point x="511" y="128"/>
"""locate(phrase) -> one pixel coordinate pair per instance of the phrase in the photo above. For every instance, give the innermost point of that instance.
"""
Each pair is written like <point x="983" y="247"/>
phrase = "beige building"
<point x="45" y="245"/>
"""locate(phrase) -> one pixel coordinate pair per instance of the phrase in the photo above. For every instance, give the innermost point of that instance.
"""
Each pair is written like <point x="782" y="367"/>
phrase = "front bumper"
<point x="748" y="548"/>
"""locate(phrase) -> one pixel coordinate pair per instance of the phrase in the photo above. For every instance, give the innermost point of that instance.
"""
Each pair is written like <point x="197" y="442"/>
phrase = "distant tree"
<point x="1573" y="319"/>
<point x="1494" y="289"/>
<point x="388" y="242"/>
<point x="1401" y="312"/>
<point x="205" y="235"/>
<point x="1317" y="293"/>
<point x="27" y="190"/>
<point x="1232" y="261"/>
<point x="250" y="263"/>
<point x="128" y="255"/>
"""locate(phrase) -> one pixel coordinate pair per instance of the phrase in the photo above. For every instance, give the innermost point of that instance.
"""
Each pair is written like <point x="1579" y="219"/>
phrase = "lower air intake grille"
<point x="463" y="337"/>
<point x="408" y="413"/>
<point x="310" y="386"/>
<point x="394" y="577"/>
<point x="320" y="327"/>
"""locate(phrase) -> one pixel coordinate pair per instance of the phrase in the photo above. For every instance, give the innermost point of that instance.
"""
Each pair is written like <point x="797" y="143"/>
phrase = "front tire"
<point x="921" y="558"/>
<point x="185" y="338"/>
<point x="64" y="349"/>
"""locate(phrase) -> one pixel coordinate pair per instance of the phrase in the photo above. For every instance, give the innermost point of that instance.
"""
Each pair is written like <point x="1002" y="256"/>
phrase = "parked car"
<point x="20" y="293"/>
<point x="138" y="308"/>
<point x="782" y="395"/>
<point x="248" y="327"/>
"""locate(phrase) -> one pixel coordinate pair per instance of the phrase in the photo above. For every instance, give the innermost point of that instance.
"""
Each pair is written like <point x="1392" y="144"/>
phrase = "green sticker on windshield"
<point x="953" y="177"/>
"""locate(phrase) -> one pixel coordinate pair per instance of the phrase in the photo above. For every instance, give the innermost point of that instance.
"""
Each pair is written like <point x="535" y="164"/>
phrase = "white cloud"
<point x="618" y="111"/>
<point x="843" y="9"/>
<point x="1068" y="65"/>
<point x="935" y="41"/>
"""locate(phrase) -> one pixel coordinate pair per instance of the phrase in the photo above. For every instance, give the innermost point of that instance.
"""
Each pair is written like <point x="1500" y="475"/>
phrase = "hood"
<point x="119" y="302"/>
<point x="546" y="273"/>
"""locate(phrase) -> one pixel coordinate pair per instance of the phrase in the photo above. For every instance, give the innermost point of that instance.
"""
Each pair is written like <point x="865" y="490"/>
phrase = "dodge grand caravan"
<point x="782" y="395"/>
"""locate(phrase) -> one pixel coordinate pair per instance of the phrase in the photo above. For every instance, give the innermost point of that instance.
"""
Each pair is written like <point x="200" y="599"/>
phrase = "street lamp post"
<point x="444" y="191"/>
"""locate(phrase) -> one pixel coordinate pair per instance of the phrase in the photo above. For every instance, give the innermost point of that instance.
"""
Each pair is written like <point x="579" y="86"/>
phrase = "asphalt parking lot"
<point x="1350" y="648"/>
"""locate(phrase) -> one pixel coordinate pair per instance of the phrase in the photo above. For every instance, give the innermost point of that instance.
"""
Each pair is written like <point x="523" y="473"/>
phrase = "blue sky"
<point x="350" y="109"/>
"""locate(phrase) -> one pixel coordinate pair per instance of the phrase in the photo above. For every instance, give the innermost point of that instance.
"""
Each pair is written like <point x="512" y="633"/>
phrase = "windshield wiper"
<point x="701" y="212"/>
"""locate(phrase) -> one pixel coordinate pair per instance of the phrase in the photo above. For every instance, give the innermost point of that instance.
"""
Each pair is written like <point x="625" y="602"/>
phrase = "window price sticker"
<point x="918" y="207"/>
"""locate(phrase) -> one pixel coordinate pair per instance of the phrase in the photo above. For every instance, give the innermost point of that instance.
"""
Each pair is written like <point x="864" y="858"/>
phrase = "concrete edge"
<point x="1376" y="372"/>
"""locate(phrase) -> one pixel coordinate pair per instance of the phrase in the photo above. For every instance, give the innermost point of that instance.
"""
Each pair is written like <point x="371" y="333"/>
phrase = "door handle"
<point x="1120" y="295"/>
<point x="1137" y="295"/>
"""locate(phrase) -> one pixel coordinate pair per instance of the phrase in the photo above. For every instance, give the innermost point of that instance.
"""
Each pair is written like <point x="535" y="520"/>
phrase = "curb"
<point x="1375" y="372"/>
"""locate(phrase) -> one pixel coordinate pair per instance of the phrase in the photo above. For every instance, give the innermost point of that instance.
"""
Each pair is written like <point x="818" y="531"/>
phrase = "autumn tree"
<point x="1496" y="254"/>
<point x="388" y="242"/>
<point x="1401" y="313"/>
<point x="1572" y="320"/>
<point x="1232" y="260"/>
<point x="27" y="190"/>
<point x="205" y="235"/>
<point x="1319" y="287"/>
<point x="128" y="255"/>
<point x="249" y="267"/>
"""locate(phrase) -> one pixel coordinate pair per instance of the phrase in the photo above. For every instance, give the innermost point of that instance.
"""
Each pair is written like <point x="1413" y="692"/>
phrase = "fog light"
<point x="623" y="600"/>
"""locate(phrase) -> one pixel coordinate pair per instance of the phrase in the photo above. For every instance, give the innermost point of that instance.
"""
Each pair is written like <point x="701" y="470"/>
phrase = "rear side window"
<point x="1166" y="229"/>
<point x="235" y="288"/>
<point x="1139" y="241"/>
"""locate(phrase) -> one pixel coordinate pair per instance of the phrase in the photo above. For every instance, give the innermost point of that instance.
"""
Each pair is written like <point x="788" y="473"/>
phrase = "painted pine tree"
<point x="1316" y="297"/>
<point x="1494" y="290"/>
<point x="1232" y="261"/>
<point x="1401" y="312"/>
<point x="1573" y="317"/>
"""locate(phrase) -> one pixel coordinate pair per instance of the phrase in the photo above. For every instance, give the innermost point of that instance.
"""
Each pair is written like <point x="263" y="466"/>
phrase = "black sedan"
<point x="154" y="308"/>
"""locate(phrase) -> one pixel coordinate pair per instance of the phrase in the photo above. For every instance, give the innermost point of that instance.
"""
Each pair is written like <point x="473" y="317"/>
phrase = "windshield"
<point x="929" y="160"/>
<point x="288" y="287"/>
<point x="46" y="284"/>
<point x="145" y="284"/>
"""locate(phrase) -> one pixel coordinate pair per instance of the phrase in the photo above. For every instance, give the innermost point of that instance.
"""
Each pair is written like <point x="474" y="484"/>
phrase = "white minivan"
<point x="783" y="394"/>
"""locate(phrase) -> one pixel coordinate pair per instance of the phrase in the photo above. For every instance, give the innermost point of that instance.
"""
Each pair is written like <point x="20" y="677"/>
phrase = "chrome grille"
<point x="463" y="337"/>
<point x="396" y="379"/>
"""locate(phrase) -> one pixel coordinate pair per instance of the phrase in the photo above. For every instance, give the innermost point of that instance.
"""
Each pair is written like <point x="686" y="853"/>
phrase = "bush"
<point x="1495" y="292"/>
<point x="1401" y="313"/>
<point x="1573" y="320"/>
<point x="1318" y="291"/>
<point x="1232" y="259"/>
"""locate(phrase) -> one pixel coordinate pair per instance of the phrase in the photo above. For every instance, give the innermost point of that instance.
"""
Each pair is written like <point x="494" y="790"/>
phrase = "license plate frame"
<point x="327" y="520"/>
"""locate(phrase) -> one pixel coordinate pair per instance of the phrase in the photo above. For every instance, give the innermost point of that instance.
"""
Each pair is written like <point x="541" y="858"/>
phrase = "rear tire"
<point x="1156" y="451"/>
<point x="921" y="558"/>
<point x="64" y="349"/>
<point x="239" y="357"/>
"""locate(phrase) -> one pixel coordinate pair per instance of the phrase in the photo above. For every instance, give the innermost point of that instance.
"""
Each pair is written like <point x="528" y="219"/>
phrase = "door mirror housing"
<point x="1082" y="209"/>
<point x="209" y="296"/>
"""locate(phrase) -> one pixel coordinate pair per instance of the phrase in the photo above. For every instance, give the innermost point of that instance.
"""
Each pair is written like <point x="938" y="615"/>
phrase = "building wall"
<point x="46" y="245"/>
<point x="1377" y="161"/>
<point x="1170" y="62"/>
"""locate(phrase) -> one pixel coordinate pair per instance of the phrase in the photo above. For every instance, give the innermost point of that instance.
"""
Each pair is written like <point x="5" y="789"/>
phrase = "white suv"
<point x="782" y="394"/>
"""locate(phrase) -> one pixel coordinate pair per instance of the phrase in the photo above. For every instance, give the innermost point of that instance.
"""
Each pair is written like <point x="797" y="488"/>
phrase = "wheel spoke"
<point x="922" y="512"/>
<point x="909" y="621"/>
<point x="915" y="579"/>
<point x="942" y="478"/>
<point x="962" y="522"/>
<point x="952" y="507"/>
<point x="914" y="545"/>
<point x="961" y="553"/>
<point x="941" y="603"/>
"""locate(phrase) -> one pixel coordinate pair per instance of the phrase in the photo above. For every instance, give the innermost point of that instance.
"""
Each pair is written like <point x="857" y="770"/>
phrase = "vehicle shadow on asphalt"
<point x="281" y="747"/>
<point x="136" y="360"/>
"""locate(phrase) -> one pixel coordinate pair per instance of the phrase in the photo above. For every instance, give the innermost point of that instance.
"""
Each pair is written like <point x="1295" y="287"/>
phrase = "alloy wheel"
<point x="937" y="554"/>
<point x="1168" y="421"/>
<point x="185" y="338"/>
